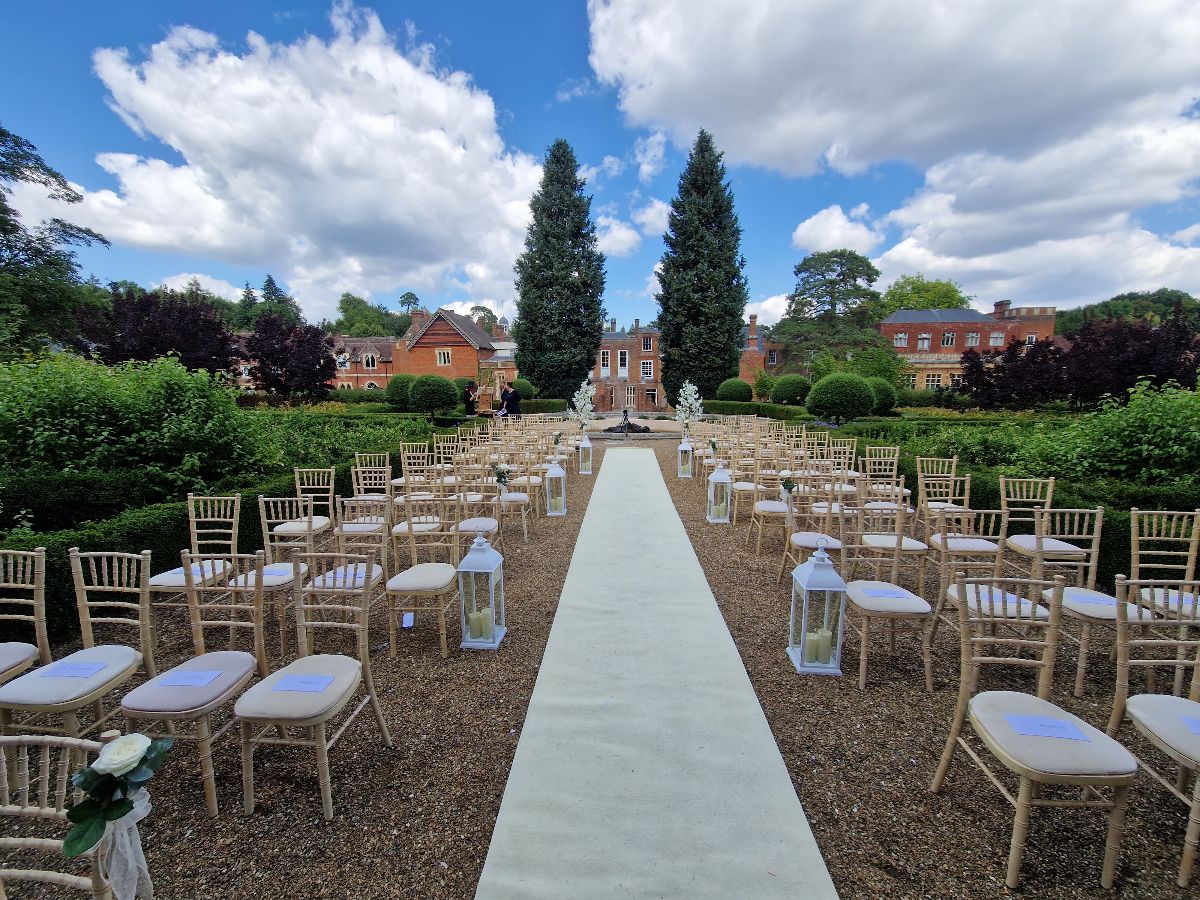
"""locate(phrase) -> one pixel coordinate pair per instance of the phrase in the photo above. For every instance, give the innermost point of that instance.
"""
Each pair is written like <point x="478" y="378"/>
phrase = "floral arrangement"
<point x="585" y="410"/>
<point x="557" y="438"/>
<point x="500" y="473"/>
<point x="688" y="407"/>
<point x="713" y="445"/>
<point x="786" y="481"/>
<point x="122" y="769"/>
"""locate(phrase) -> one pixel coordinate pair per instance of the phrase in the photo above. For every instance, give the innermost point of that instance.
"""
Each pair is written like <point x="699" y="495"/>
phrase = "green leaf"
<point x="81" y="812"/>
<point x="139" y="776"/>
<point x="118" y="809"/>
<point x="83" y="837"/>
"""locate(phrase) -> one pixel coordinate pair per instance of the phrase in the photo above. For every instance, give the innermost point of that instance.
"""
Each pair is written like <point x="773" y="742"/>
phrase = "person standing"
<point x="470" y="396"/>
<point x="512" y="399"/>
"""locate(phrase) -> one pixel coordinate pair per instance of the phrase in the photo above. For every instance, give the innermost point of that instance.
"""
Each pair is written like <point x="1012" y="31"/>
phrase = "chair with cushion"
<point x="23" y="599"/>
<point x="425" y="587"/>
<point x="815" y="509"/>
<point x="881" y="536"/>
<point x="424" y="526"/>
<point x="193" y="691"/>
<point x="477" y="505"/>
<point x="515" y="504"/>
<point x="288" y="526"/>
<point x="1021" y="498"/>
<point x="747" y="488"/>
<point x="937" y="493"/>
<point x="965" y="540"/>
<point x="1163" y="636"/>
<point x="1165" y="545"/>
<point x="298" y="702"/>
<point x="319" y="484"/>
<point x="772" y="512"/>
<point x="364" y="524"/>
<point x="1044" y="746"/>
<point x="117" y="587"/>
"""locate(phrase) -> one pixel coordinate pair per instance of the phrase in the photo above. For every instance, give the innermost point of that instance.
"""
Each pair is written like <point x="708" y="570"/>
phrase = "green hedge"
<point x="52" y="500"/>
<point x="356" y="395"/>
<point x="734" y="390"/>
<point x="766" y="410"/>
<point x="539" y="406"/>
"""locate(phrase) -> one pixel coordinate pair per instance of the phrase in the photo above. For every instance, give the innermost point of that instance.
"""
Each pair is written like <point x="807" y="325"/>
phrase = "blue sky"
<point x="392" y="146"/>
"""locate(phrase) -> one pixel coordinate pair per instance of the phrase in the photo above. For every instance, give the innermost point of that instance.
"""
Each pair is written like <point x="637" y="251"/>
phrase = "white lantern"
<point x="818" y="617"/>
<point x="720" y="493"/>
<point x="584" y="459"/>
<point x="687" y="458"/>
<point x="481" y="596"/>
<point x="556" y="490"/>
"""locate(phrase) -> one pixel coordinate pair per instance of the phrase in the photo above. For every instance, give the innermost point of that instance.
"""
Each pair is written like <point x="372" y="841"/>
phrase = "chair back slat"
<point x="23" y="593"/>
<point x="114" y="589"/>
<point x="225" y="593"/>
<point x="213" y="523"/>
<point x="1164" y="544"/>
<point x="318" y="484"/>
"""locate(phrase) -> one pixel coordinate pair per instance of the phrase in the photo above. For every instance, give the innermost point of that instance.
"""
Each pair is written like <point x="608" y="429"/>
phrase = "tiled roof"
<point x="474" y="335"/>
<point x="936" y="316"/>
<point x="357" y="346"/>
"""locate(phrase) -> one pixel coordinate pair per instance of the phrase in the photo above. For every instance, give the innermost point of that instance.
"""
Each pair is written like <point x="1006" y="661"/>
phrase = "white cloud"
<point x="342" y="164"/>
<point x="653" y="285"/>
<point x="1031" y="193"/>
<point x="615" y="237"/>
<point x="650" y="154"/>
<point x="652" y="218"/>
<point x="1187" y="236"/>
<point x="769" y="311"/>
<point x="574" y="88"/>
<point x="830" y="229"/>
<point x="218" y="286"/>
<point x="610" y="167"/>
<point x="508" y="309"/>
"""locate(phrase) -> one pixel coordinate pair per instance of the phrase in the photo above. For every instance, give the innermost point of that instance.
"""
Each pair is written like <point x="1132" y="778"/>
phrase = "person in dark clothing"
<point x="512" y="400"/>
<point x="470" y="395"/>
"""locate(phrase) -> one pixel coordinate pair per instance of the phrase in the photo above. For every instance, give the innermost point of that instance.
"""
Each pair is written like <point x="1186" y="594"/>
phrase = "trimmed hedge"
<point x="841" y="395"/>
<point x="766" y="410"/>
<point x="432" y="393"/>
<point x="735" y="390"/>
<point x="884" y="393"/>
<point x="527" y="389"/>
<point x="399" y="392"/>
<point x="55" y="500"/>
<point x="355" y="395"/>
<point x="539" y="406"/>
<point x="790" y="390"/>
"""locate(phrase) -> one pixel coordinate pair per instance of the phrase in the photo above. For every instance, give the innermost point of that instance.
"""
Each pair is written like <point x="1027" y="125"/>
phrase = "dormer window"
<point x="370" y="361"/>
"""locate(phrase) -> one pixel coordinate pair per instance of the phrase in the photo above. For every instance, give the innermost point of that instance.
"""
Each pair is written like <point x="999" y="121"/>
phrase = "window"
<point x="622" y="360"/>
<point x="443" y="357"/>
<point x="652" y="396"/>
<point x="605" y="356"/>
<point x="909" y="381"/>
<point x="996" y="339"/>
<point x="948" y="338"/>
<point x="245" y="370"/>
<point x="933" y="380"/>
<point x="371" y="386"/>
<point x="345" y="384"/>
<point x="647" y="344"/>
<point x="972" y="338"/>
<point x="343" y="360"/>
<point x="647" y="370"/>
<point x="1030" y="339"/>
<point x="630" y="394"/>
<point x="772" y="357"/>
<point x="900" y="339"/>
<point x="370" y="360"/>
<point x="956" y="379"/>
<point x="923" y="341"/>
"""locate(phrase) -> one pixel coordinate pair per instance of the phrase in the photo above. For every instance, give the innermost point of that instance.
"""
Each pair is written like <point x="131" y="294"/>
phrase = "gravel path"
<point x="861" y="761"/>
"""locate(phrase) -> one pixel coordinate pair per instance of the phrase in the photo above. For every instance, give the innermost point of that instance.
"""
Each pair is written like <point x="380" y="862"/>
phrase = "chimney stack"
<point x="612" y="325"/>
<point x="752" y="331"/>
<point x="419" y="318"/>
<point x="498" y="332"/>
<point x="637" y="324"/>
<point x="1000" y="310"/>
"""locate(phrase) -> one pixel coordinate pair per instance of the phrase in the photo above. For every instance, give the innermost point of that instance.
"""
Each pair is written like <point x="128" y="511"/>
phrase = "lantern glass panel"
<point x="687" y="459"/>
<point x="556" y="491"/>
<point x="481" y="597"/>
<point x="720" y="492"/>
<point x="585" y="456"/>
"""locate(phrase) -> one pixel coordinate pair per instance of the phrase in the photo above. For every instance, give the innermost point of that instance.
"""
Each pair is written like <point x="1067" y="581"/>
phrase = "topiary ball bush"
<point x="399" y="392"/>
<point x="433" y="393"/>
<point x="885" y="395"/>
<point x="736" y="390"/>
<point x="525" y="388"/>
<point x="840" y="396"/>
<point x="461" y="383"/>
<point x="791" y="390"/>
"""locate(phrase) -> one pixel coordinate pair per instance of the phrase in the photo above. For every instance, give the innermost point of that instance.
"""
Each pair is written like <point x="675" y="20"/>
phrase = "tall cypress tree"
<point x="703" y="291"/>
<point x="560" y="281"/>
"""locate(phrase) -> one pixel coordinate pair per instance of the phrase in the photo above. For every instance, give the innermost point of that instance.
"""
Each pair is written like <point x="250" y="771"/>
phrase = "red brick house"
<point x="628" y="370"/>
<point x="758" y="354"/>
<point x="933" y="341"/>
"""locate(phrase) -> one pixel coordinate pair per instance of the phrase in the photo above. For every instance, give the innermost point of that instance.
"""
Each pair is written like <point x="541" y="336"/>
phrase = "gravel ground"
<point x="413" y="821"/>
<point x="861" y="761"/>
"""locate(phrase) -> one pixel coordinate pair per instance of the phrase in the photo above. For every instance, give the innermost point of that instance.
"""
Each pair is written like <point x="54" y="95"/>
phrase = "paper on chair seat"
<point x="1192" y="723"/>
<point x="72" y="670"/>
<point x="307" y="684"/>
<point x="1046" y="726"/>
<point x="885" y="592"/>
<point x="190" y="678"/>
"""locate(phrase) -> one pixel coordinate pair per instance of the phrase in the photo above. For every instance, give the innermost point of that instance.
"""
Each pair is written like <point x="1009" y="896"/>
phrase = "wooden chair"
<point x="425" y="527"/>
<point x="1164" y="545"/>
<point x="23" y="599"/>
<point x="937" y="466"/>
<point x="478" y="513"/>
<point x="771" y="512"/>
<point x="371" y="482"/>
<point x="747" y="488"/>
<point x="1043" y="745"/>
<point x="1022" y="498"/>
<point x="936" y="493"/>
<point x="81" y="680"/>
<point x="336" y="598"/>
<point x="35" y="787"/>
<point x="319" y="484"/>
<point x="515" y="504"/>
<point x="287" y="527"/>
<point x="965" y="540"/>
<point x="425" y="587"/>
<point x="881" y="536"/>
<point x="373" y="460"/>
<point x="193" y="691"/>
<point x="814" y="520"/>
<point x="1168" y="639"/>
<point x="364" y="524"/>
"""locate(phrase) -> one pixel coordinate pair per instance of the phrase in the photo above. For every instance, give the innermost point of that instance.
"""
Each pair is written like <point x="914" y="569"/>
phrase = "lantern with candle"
<point x="583" y="413"/>
<point x="687" y="458"/>
<point x="818" y="616"/>
<point x="556" y="490"/>
<point x="584" y="459"/>
<point x="720" y="491"/>
<point x="481" y="596"/>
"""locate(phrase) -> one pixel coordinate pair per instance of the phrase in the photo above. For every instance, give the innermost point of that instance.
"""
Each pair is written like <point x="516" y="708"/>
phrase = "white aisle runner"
<point x="646" y="767"/>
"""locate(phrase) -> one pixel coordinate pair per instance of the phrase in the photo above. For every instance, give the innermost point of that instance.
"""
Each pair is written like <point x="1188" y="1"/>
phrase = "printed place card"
<point x="409" y="618"/>
<point x="1192" y="723"/>
<point x="1091" y="599"/>
<point x="190" y="678"/>
<point x="1046" y="726"/>
<point x="72" y="670"/>
<point x="306" y="684"/>
<point x="885" y="592"/>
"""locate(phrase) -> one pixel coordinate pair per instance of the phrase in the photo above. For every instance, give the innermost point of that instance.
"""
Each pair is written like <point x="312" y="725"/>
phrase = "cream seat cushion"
<point x="346" y="578"/>
<point x="206" y="570"/>
<point x="1027" y="544"/>
<point x="822" y="508"/>
<point x="513" y="497"/>
<point x="527" y="480"/>
<point x="810" y="540"/>
<point x="261" y="703"/>
<point x="770" y="507"/>
<point x="364" y="525"/>
<point x="423" y="577"/>
<point x="958" y="544"/>
<point x="888" y="542"/>
<point x="942" y="505"/>
<point x="1099" y="755"/>
<point x="884" y="597"/>
<point x="420" y="525"/>
<point x="300" y="526"/>
<point x="1169" y="598"/>
<point x="155" y="697"/>
<point x="1093" y="604"/>
<point x="745" y="486"/>
<point x="42" y="688"/>
<point x="16" y="655"/>
<point x="996" y="603"/>
<point x="1162" y="716"/>
<point x="275" y="576"/>
<point x="478" y="525"/>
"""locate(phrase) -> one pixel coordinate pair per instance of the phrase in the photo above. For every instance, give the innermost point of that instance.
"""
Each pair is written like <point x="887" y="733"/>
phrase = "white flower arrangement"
<point x="585" y="410"/>
<point x="688" y="408"/>
<point x="120" y="771"/>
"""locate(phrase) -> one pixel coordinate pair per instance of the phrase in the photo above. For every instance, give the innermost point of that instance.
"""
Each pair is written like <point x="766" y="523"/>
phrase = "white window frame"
<point x="772" y="357"/>
<point x="443" y="357"/>
<point x="900" y="339"/>
<point x="605" y="360"/>
<point x="910" y="381"/>
<point x="996" y="339"/>
<point x="1030" y="340"/>
<point x="948" y="338"/>
<point x="956" y="379"/>
<point x="370" y="361"/>
<point x="244" y="371"/>
<point x="933" y="380"/>
<point x="647" y="345"/>
<point x="652" y="397"/>
<point x="623" y="360"/>
<point x="972" y="338"/>
<point x="630" y="395"/>
<point x="924" y="340"/>
<point x="647" y="369"/>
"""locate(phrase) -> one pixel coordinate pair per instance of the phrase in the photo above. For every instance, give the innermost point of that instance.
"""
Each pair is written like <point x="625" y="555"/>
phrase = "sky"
<point x="1045" y="152"/>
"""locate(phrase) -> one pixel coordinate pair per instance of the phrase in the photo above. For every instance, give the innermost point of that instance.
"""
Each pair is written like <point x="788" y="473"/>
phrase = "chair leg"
<point x="322" y="748"/>
<point x="1016" y="849"/>
<point x="378" y="710"/>
<point x="247" y="767"/>
<point x="207" y="775"/>
<point x="442" y="632"/>
<point x="391" y="614"/>
<point x="1081" y="664"/>
<point x="927" y="656"/>
<point x="960" y="712"/>
<point x="1191" y="839"/>
<point x="863" y="650"/>
<point x="1116" y="827"/>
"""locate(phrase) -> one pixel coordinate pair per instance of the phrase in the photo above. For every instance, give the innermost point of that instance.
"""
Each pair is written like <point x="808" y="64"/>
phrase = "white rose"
<point x="785" y="474"/>
<point x="122" y="755"/>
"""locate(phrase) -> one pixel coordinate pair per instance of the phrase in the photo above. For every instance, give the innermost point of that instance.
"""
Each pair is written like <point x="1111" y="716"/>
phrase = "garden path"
<point x="645" y="767"/>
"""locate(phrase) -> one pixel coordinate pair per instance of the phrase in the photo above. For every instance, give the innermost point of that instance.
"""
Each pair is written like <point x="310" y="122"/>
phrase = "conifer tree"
<point x="278" y="303"/>
<point x="703" y="291"/>
<point x="560" y="282"/>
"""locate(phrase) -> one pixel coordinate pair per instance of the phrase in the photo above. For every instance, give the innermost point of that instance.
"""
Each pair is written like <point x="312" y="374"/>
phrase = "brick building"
<point x="628" y="370"/>
<point x="933" y="341"/>
<point x="758" y="354"/>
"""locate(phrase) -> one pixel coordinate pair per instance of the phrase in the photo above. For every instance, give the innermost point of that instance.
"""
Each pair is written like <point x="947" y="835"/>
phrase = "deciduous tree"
<point x="916" y="292"/>
<point x="832" y="283"/>
<point x="290" y="359"/>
